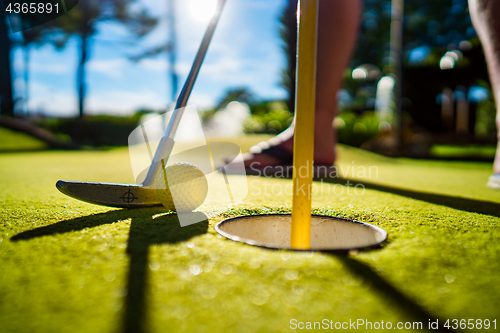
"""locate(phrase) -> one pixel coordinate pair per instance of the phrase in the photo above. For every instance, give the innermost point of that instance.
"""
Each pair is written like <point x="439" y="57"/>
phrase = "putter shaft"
<point x="166" y="144"/>
<point x="144" y="195"/>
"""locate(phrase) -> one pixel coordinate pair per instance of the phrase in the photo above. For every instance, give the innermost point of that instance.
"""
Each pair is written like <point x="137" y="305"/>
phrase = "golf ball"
<point x="182" y="187"/>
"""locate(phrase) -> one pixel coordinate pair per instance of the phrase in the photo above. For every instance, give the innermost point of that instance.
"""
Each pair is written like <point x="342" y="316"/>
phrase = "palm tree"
<point x="81" y="22"/>
<point x="242" y="95"/>
<point x="396" y="64"/>
<point x="288" y="34"/>
<point x="33" y="36"/>
<point x="6" y="100"/>
<point x="169" y="47"/>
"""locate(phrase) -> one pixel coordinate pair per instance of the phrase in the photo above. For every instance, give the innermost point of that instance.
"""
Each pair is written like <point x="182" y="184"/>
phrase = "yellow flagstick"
<point x="305" y="101"/>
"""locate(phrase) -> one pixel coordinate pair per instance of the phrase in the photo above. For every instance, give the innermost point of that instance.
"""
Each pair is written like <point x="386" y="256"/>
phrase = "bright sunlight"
<point x="202" y="10"/>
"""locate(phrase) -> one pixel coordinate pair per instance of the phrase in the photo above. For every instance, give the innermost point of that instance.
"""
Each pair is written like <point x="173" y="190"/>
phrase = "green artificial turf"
<point x="464" y="152"/>
<point x="16" y="141"/>
<point x="68" y="266"/>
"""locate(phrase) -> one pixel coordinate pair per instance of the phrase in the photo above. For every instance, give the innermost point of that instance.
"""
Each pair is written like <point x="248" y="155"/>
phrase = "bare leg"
<point x="337" y="32"/>
<point x="485" y="15"/>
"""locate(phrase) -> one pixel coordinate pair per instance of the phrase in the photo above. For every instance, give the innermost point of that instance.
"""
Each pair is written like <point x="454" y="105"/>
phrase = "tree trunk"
<point x="173" y="49"/>
<point x="6" y="101"/>
<point x="26" y="79"/>
<point x="288" y="34"/>
<point x="396" y="65"/>
<point x="80" y="76"/>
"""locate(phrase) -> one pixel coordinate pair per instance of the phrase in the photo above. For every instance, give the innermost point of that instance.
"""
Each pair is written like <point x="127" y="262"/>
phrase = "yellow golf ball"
<point x="182" y="187"/>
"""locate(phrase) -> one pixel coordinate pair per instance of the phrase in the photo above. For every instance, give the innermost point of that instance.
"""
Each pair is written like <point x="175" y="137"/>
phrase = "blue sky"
<point x="245" y="51"/>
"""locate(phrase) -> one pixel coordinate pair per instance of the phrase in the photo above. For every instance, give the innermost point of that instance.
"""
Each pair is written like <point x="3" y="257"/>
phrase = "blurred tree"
<point x="288" y="34"/>
<point x="33" y="29"/>
<point x="82" y="21"/>
<point x="374" y="33"/>
<point x="169" y="47"/>
<point x="437" y="23"/>
<point x="6" y="100"/>
<point x="427" y="24"/>
<point x="31" y="37"/>
<point x="242" y="95"/>
<point x="172" y="46"/>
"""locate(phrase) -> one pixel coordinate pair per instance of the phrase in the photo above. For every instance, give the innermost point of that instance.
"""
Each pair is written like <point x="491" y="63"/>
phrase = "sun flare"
<point x="202" y="10"/>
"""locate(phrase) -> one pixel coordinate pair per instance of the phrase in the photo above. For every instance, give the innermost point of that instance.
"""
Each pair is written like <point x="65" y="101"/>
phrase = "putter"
<point x="144" y="194"/>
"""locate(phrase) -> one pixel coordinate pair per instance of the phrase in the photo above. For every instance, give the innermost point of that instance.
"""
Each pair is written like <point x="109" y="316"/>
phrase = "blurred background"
<point x="87" y="79"/>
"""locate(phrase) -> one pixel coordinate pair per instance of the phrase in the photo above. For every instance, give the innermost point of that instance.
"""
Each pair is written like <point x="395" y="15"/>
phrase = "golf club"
<point x="144" y="194"/>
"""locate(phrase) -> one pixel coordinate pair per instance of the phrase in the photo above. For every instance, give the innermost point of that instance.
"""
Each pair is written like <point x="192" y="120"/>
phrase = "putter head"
<point x="110" y="194"/>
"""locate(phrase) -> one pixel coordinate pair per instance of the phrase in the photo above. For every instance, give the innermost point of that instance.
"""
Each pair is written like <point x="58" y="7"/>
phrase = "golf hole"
<point x="327" y="233"/>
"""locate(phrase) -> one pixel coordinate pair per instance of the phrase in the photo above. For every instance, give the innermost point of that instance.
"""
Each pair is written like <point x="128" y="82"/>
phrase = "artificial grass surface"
<point x="16" y="141"/>
<point x="68" y="266"/>
<point x="464" y="152"/>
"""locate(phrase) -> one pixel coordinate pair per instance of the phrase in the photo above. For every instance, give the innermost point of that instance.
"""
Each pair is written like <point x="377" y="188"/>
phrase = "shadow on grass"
<point x="146" y="229"/>
<point x="386" y="290"/>
<point x="469" y="205"/>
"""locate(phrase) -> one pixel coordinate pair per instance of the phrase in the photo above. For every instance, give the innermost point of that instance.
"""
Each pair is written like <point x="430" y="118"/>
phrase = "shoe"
<point x="284" y="168"/>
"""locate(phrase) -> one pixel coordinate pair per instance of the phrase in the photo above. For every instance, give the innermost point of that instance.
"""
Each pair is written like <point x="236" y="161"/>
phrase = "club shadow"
<point x="85" y="222"/>
<point x="465" y="204"/>
<point x="164" y="229"/>
<point x="146" y="229"/>
<point x="386" y="290"/>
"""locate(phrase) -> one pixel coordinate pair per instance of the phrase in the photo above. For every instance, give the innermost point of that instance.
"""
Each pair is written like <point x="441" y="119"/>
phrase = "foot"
<point x="496" y="163"/>
<point x="494" y="181"/>
<point x="261" y="156"/>
<point x="324" y="150"/>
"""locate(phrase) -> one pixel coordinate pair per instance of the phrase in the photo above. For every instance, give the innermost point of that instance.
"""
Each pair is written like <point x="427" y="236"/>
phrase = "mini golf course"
<point x="68" y="266"/>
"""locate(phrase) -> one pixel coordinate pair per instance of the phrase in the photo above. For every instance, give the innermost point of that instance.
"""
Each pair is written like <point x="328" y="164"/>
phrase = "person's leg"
<point x="337" y="34"/>
<point x="485" y="15"/>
